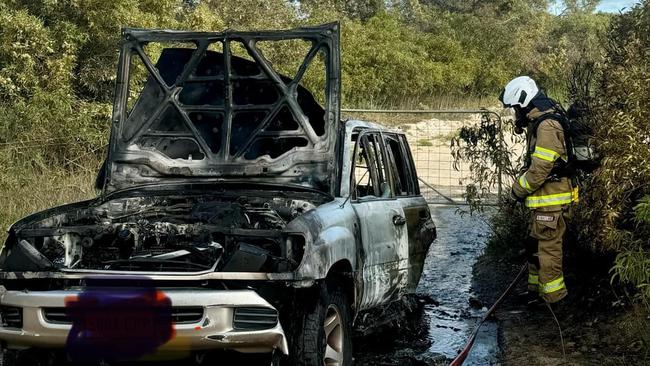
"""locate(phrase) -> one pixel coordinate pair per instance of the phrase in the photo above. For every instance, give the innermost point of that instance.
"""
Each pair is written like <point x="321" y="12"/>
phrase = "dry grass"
<point x="38" y="191"/>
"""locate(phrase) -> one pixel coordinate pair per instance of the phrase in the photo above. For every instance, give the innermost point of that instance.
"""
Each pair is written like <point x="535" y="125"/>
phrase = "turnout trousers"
<point x="544" y="251"/>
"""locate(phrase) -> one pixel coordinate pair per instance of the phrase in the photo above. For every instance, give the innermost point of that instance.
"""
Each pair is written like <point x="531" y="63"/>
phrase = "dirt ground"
<point x="599" y="327"/>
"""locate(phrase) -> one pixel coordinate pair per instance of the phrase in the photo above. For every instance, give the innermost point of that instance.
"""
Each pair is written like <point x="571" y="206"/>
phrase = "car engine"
<point x="164" y="234"/>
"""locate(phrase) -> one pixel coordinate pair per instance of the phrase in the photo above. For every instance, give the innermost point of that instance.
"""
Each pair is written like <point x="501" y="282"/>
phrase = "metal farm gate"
<point x="430" y="133"/>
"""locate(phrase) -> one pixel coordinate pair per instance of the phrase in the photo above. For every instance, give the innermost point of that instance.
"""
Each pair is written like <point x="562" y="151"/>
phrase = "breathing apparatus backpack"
<point x="579" y="141"/>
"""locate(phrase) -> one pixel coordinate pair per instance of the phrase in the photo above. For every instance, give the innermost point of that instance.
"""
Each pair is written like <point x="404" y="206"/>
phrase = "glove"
<point x="514" y="198"/>
<point x="511" y="202"/>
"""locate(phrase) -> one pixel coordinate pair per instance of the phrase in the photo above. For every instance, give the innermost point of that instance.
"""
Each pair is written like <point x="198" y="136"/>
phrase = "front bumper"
<point x="215" y="329"/>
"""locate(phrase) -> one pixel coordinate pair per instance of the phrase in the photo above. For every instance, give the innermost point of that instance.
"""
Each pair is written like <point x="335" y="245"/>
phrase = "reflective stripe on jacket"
<point x="534" y="201"/>
<point x="544" y="148"/>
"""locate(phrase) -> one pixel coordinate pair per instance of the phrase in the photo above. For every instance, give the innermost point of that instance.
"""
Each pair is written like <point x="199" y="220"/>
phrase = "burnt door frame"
<point x="384" y="236"/>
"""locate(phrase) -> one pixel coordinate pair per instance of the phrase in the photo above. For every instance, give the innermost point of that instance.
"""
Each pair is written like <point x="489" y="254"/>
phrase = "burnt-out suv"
<point x="236" y="212"/>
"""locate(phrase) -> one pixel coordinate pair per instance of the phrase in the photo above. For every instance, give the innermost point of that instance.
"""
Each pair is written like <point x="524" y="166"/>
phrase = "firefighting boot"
<point x="558" y="307"/>
<point x="529" y="299"/>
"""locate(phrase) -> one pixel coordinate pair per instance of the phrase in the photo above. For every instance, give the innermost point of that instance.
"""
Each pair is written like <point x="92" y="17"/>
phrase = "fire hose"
<point x="458" y="361"/>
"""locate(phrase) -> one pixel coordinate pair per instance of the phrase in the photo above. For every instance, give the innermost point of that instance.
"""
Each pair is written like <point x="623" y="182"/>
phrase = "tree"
<point x="352" y="9"/>
<point x="580" y="6"/>
<point x="486" y="7"/>
<point x="616" y="209"/>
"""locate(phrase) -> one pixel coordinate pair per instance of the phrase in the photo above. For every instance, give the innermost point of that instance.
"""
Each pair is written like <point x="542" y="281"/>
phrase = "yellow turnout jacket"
<point x="544" y="148"/>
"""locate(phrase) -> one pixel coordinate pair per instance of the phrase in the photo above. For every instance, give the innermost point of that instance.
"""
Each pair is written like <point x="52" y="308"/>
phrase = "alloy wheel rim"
<point x="334" y="336"/>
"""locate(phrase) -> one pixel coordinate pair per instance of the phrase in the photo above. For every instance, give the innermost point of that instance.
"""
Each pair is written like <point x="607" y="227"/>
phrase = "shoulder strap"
<point x="564" y="122"/>
<point x="551" y="115"/>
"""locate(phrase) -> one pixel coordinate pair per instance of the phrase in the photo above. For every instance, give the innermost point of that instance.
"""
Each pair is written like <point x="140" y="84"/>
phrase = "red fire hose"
<point x="458" y="361"/>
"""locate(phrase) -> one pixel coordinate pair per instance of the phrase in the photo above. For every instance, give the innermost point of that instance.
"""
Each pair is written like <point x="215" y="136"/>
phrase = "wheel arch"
<point x="342" y="273"/>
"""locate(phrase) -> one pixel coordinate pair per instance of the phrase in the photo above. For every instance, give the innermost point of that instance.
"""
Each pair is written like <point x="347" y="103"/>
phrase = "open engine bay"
<point x="165" y="234"/>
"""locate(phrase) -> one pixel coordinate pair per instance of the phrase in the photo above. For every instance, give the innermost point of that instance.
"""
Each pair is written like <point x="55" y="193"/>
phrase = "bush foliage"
<point x="615" y="212"/>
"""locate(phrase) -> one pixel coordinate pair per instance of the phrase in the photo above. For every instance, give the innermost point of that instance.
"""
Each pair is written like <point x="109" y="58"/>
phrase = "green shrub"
<point x="614" y="212"/>
<point x="492" y="163"/>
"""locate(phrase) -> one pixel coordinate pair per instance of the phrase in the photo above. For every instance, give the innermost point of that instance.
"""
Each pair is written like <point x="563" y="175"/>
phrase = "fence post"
<point x="499" y="167"/>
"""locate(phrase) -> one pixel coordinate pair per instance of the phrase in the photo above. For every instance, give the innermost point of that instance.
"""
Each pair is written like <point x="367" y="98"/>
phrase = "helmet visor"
<point x="503" y="92"/>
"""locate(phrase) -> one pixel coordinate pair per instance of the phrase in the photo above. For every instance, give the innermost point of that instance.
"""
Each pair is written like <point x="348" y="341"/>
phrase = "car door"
<point x="419" y="225"/>
<point x="382" y="222"/>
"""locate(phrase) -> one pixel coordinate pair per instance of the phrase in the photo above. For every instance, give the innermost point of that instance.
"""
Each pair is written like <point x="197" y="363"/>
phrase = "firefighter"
<point x="544" y="187"/>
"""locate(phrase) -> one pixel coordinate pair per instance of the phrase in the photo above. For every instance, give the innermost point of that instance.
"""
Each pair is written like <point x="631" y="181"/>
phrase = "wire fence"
<point x="429" y="133"/>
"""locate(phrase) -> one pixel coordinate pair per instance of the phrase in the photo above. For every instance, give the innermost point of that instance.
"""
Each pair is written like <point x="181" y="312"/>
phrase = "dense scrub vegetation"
<point x="615" y="212"/>
<point x="57" y="70"/>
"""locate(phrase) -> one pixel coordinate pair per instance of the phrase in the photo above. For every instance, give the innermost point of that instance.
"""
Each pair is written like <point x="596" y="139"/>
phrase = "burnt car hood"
<point x="206" y="114"/>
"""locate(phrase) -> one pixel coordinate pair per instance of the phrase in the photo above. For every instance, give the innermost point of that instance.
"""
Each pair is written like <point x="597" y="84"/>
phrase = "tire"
<point x="321" y="328"/>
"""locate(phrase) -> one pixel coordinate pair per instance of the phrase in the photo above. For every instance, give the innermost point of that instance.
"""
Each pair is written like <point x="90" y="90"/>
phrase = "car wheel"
<point x="321" y="329"/>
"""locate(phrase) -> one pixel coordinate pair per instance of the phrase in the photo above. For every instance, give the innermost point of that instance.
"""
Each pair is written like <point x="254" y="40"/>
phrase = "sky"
<point x="608" y="6"/>
<point x="614" y="6"/>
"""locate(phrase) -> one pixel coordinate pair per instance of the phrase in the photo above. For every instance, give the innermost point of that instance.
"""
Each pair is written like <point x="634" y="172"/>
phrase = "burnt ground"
<point x="599" y="326"/>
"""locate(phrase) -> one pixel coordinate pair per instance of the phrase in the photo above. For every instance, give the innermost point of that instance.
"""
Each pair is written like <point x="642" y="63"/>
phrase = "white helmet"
<point x="519" y="92"/>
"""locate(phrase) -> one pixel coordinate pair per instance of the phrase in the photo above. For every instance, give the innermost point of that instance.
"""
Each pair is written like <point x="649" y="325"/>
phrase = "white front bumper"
<point x="214" y="331"/>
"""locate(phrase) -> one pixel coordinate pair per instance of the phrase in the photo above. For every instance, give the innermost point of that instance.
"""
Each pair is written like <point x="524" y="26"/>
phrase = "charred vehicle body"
<point x="236" y="212"/>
